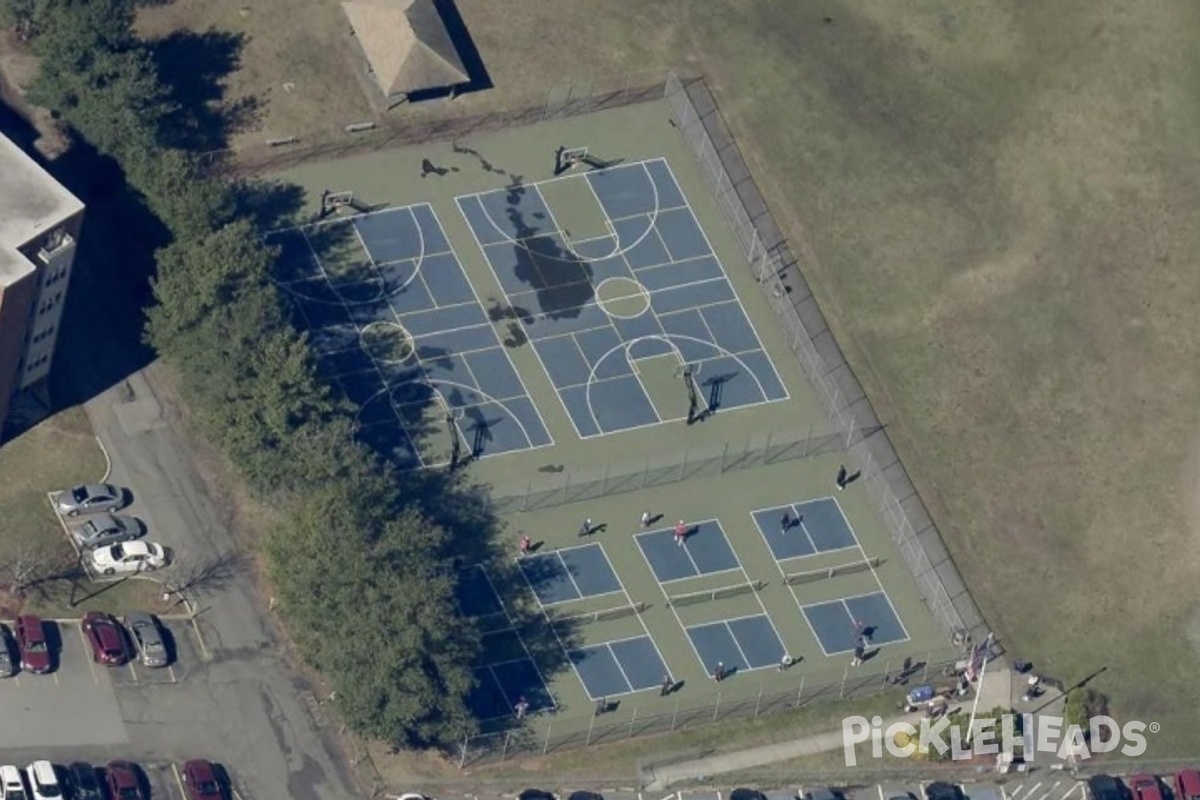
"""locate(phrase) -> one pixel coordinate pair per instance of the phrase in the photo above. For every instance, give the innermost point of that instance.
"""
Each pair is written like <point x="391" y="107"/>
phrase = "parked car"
<point x="32" y="644"/>
<point x="12" y="784"/>
<point x="822" y="793"/>
<point x="105" y="637"/>
<point x="135" y="556"/>
<point x="1144" y="787"/>
<point x="1187" y="785"/>
<point x="8" y="664"/>
<point x="147" y="639"/>
<point x="89" y="498"/>
<point x="1105" y="787"/>
<point x="536" y="794"/>
<point x="942" y="790"/>
<point x="200" y="781"/>
<point x="83" y="783"/>
<point x="43" y="781"/>
<point x="123" y="781"/>
<point x="105" y="529"/>
<point x="746" y="794"/>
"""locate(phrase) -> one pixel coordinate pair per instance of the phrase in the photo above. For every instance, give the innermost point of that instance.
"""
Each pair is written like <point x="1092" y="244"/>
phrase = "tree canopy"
<point x="361" y="573"/>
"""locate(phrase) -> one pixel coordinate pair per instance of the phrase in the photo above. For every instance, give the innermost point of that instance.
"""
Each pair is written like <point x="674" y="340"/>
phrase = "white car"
<point x="136" y="556"/>
<point x="43" y="781"/>
<point x="12" y="784"/>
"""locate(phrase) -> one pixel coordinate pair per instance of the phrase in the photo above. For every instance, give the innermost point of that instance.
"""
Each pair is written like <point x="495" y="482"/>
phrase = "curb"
<point x="107" y="461"/>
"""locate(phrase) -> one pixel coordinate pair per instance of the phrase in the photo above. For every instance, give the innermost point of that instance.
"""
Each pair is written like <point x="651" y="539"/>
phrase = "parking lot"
<point x="89" y="695"/>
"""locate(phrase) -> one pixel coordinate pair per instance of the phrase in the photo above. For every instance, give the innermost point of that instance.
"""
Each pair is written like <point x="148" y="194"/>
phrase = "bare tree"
<point x="26" y="566"/>
<point x="205" y="575"/>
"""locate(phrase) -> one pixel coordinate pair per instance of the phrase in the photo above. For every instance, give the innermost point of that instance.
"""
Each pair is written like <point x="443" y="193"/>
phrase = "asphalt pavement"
<point x="239" y="702"/>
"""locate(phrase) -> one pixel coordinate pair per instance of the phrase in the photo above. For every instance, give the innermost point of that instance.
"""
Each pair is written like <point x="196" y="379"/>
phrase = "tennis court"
<point x="796" y="530"/>
<point x="838" y="624"/>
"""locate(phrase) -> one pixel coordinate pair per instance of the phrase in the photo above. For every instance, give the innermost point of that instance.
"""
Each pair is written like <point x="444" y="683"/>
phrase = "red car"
<point x="123" y="783"/>
<point x="1144" y="787"/>
<point x="200" y="781"/>
<point x="104" y="636"/>
<point x="1187" y="784"/>
<point x="32" y="644"/>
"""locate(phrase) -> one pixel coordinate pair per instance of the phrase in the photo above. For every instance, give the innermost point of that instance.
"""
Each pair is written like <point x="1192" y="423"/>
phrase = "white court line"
<point x="713" y="250"/>
<point x="642" y="622"/>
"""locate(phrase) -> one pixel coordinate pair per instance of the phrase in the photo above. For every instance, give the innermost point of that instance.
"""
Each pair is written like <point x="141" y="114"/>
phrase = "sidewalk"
<point x="997" y="689"/>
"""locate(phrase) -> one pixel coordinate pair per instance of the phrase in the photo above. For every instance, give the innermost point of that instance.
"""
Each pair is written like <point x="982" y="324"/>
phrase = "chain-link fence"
<point x="775" y="267"/>
<point x="453" y="120"/>
<point x="639" y="715"/>
<point x="674" y="467"/>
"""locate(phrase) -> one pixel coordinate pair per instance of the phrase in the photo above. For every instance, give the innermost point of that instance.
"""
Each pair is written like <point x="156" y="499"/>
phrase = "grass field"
<point x="995" y="201"/>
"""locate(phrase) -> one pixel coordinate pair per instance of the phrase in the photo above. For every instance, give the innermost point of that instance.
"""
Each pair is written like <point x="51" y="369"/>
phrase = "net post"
<point x="546" y="746"/>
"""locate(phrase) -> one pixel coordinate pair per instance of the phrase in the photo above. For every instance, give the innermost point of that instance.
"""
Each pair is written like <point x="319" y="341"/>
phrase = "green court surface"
<point x="551" y="319"/>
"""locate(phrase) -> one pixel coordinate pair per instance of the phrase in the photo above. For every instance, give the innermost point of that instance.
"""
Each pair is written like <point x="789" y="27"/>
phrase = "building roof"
<point x="406" y="43"/>
<point x="31" y="203"/>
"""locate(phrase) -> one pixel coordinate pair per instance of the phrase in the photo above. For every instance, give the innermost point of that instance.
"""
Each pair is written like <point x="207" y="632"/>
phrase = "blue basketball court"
<point x="507" y="677"/>
<point x="619" y="667"/>
<point x="812" y="526"/>
<point x="396" y="276"/>
<point x="615" y="319"/>
<point x="705" y="551"/>
<point x="740" y="645"/>
<point x="836" y="623"/>
<point x="571" y="573"/>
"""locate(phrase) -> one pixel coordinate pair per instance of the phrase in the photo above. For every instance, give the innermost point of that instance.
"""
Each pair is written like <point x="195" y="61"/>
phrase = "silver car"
<point x="8" y="664"/>
<point x="105" y="529"/>
<point x="147" y="638"/>
<point x="89" y="498"/>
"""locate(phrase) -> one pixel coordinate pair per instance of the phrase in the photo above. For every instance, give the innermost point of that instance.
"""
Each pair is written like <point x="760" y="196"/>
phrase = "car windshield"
<point x="79" y="494"/>
<point x="35" y="647"/>
<point x="49" y="790"/>
<point x="207" y="787"/>
<point x="130" y="793"/>
<point x="118" y="552"/>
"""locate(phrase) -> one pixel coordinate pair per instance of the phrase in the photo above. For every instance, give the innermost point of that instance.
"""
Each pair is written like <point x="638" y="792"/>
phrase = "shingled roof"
<point x="406" y="43"/>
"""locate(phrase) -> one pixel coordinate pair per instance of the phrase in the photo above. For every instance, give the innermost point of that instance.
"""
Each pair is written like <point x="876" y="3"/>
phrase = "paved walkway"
<point x="997" y="690"/>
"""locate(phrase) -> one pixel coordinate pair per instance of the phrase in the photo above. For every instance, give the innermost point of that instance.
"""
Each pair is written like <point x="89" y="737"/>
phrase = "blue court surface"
<point x="392" y="274"/>
<point x="475" y="593"/>
<point x="741" y="644"/>
<point x="619" y="667"/>
<point x="814" y="526"/>
<point x="705" y="551"/>
<point x="501" y="684"/>
<point x="569" y="574"/>
<point x="836" y="622"/>
<point x="666" y="295"/>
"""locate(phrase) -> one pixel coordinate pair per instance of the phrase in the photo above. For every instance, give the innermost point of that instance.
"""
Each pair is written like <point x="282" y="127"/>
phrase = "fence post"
<point x="546" y="746"/>
<point x="800" y="693"/>
<point x="845" y="675"/>
<point x="462" y="761"/>
<point x="758" y="702"/>
<point x="887" y="674"/>
<point x="504" y="751"/>
<point x="632" y="720"/>
<point x="528" y="491"/>
<point x="925" y="674"/>
<point x="717" y="707"/>
<point x="591" y="725"/>
<point x="675" y="713"/>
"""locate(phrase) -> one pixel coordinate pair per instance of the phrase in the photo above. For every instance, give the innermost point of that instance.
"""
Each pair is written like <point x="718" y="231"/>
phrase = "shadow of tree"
<point x="193" y="66"/>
